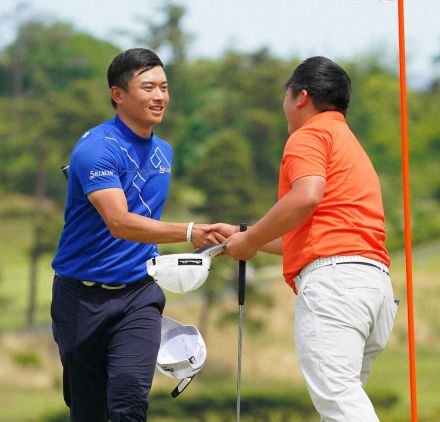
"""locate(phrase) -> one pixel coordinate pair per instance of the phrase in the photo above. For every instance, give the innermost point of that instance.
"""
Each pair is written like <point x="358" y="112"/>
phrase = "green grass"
<point x="15" y="242"/>
<point x="32" y="392"/>
<point x="391" y="374"/>
<point x="29" y="405"/>
<point x="389" y="379"/>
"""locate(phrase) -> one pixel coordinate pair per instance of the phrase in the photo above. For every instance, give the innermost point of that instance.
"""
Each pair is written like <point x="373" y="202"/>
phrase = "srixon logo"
<point x="189" y="261"/>
<point x="94" y="173"/>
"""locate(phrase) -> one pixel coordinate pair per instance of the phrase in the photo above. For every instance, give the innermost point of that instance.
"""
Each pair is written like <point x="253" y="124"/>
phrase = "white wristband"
<point x="189" y="231"/>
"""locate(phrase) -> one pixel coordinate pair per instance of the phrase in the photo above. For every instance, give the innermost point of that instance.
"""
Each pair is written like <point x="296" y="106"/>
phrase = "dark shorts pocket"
<point x="65" y="300"/>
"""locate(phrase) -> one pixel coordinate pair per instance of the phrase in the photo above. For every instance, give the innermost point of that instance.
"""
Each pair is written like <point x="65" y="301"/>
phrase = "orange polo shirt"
<point x="350" y="218"/>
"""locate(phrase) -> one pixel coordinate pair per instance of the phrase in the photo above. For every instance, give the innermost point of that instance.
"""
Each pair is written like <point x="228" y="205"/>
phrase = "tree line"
<point x="225" y="123"/>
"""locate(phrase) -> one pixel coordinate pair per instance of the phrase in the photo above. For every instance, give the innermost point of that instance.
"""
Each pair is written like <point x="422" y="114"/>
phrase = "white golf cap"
<point x="182" y="352"/>
<point x="181" y="273"/>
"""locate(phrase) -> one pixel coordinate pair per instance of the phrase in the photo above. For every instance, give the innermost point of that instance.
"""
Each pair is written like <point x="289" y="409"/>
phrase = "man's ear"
<point x="116" y="94"/>
<point x="302" y="98"/>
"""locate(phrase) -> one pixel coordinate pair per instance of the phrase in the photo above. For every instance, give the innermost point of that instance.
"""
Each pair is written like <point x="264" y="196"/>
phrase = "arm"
<point x="111" y="205"/>
<point x="290" y="211"/>
<point x="274" y="247"/>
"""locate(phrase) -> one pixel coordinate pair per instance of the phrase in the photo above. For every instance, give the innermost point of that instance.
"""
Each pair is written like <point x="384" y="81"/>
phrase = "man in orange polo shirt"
<point x="329" y="226"/>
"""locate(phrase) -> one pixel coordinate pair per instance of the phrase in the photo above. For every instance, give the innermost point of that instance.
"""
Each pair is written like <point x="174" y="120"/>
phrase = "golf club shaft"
<point x="240" y="335"/>
<point x="241" y="295"/>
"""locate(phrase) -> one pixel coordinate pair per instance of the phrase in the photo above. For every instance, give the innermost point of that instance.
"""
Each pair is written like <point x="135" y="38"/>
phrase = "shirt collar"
<point x="332" y="115"/>
<point x="128" y="133"/>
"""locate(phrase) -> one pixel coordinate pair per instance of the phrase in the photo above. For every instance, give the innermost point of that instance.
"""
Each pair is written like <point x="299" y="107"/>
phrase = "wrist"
<point x="189" y="229"/>
<point x="253" y="238"/>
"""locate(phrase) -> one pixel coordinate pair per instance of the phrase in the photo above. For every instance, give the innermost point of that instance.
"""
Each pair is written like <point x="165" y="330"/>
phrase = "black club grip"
<point x="242" y="273"/>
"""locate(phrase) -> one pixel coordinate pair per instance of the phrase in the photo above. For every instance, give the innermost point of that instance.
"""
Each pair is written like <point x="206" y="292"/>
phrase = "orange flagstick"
<point x="407" y="211"/>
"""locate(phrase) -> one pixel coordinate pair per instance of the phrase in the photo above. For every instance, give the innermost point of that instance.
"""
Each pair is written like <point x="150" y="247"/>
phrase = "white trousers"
<point x="344" y="315"/>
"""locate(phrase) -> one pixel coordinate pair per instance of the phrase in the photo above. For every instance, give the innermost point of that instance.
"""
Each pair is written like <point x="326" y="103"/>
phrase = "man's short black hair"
<point x="124" y="66"/>
<point x="327" y="83"/>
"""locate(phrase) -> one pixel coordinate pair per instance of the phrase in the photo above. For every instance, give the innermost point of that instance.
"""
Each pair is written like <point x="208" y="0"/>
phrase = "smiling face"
<point x="142" y="105"/>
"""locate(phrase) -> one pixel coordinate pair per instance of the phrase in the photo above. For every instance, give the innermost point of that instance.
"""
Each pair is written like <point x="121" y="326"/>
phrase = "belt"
<point x="338" y="260"/>
<point x="106" y="286"/>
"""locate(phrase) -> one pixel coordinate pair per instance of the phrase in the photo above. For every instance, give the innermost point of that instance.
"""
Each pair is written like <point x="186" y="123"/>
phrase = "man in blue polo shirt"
<point x="106" y="310"/>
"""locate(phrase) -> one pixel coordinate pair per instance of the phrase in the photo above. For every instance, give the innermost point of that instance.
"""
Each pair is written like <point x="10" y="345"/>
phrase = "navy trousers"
<point x="108" y="342"/>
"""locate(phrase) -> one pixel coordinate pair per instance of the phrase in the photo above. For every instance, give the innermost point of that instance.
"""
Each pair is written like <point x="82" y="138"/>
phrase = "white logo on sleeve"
<point x="100" y="173"/>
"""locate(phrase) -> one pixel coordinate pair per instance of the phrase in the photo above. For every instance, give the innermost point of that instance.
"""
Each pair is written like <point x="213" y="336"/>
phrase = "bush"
<point x="27" y="358"/>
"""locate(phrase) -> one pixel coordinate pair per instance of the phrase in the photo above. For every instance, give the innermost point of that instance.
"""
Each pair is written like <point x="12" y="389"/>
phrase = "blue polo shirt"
<point x="111" y="155"/>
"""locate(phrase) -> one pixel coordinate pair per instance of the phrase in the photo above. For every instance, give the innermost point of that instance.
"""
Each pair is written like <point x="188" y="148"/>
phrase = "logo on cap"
<point x="186" y="261"/>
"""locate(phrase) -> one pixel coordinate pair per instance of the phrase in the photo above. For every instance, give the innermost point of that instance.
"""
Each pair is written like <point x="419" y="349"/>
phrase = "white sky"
<point x="334" y="28"/>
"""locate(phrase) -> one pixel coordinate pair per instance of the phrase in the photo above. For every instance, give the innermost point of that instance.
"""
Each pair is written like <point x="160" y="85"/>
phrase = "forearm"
<point x="112" y="207"/>
<point x="284" y="216"/>
<point x="274" y="247"/>
<point x="138" y="228"/>
<point x="290" y="211"/>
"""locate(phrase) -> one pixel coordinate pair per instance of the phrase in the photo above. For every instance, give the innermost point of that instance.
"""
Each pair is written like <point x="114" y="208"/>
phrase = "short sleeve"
<point x="95" y="163"/>
<point x="306" y="154"/>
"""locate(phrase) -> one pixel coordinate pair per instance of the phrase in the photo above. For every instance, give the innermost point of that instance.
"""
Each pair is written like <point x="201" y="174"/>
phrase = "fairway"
<point x="30" y="377"/>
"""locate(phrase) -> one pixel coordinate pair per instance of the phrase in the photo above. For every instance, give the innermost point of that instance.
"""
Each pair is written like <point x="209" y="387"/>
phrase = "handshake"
<point x="238" y="245"/>
<point x="184" y="272"/>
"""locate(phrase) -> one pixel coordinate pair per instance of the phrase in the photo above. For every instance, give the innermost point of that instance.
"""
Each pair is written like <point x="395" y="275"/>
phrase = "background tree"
<point x="225" y="123"/>
<point x="226" y="176"/>
<point x="50" y="109"/>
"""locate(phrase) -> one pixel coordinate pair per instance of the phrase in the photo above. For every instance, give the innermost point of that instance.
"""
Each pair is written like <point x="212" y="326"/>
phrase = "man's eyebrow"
<point x="154" y="82"/>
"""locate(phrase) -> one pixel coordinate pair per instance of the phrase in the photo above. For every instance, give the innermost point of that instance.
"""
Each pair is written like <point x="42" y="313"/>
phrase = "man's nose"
<point x="158" y="94"/>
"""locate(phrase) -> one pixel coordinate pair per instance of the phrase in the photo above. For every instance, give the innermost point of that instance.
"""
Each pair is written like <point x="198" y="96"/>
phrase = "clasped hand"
<point x="238" y="245"/>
